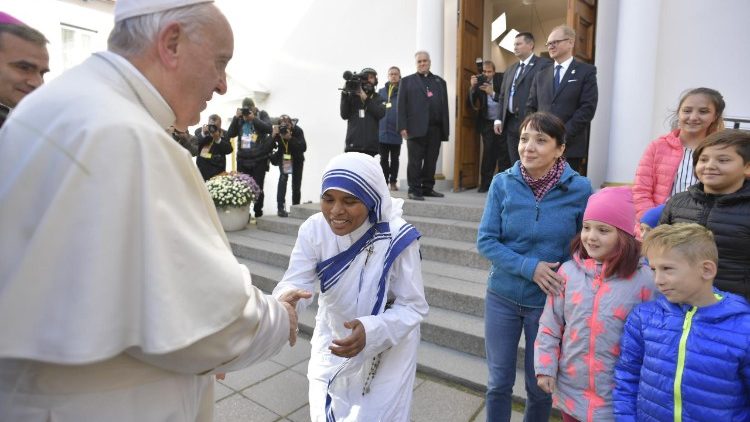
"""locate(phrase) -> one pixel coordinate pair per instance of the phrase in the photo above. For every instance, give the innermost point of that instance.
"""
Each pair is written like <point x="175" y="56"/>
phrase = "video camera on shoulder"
<point x="481" y="79"/>
<point x="359" y="81"/>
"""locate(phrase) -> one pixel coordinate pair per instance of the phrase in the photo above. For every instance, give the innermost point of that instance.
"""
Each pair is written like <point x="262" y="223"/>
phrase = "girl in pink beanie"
<point x="578" y="342"/>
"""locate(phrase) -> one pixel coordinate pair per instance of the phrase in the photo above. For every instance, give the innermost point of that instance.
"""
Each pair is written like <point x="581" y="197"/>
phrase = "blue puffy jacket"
<point x="516" y="232"/>
<point x="707" y="348"/>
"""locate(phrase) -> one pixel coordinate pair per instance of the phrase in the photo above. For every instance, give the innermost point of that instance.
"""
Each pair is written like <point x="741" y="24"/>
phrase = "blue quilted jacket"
<point x="683" y="363"/>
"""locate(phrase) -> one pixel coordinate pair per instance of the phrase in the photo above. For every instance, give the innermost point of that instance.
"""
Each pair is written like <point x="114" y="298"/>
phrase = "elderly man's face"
<point x="201" y="71"/>
<point x="22" y="68"/>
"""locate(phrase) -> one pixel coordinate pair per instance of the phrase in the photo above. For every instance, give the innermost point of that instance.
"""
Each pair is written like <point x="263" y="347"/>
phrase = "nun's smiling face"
<point x="343" y="211"/>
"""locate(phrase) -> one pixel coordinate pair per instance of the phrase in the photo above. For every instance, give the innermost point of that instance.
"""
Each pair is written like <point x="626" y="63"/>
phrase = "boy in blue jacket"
<point x="686" y="355"/>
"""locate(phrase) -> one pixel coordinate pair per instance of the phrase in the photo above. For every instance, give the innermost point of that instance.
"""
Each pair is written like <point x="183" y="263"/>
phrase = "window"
<point x="77" y="44"/>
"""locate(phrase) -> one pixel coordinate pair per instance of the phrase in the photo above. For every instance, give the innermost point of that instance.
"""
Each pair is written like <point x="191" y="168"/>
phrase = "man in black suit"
<point x="423" y="122"/>
<point x="484" y="99"/>
<point x="568" y="90"/>
<point x="515" y="91"/>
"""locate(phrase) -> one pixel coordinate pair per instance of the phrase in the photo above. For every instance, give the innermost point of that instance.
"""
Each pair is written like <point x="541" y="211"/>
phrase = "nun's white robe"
<point x="394" y="332"/>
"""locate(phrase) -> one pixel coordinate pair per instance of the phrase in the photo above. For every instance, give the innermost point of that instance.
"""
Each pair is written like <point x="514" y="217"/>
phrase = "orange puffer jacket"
<point x="656" y="172"/>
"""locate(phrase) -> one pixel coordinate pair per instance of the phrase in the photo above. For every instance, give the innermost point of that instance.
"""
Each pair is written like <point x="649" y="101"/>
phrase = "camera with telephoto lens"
<point x="212" y="128"/>
<point x="481" y="79"/>
<point x="356" y="82"/>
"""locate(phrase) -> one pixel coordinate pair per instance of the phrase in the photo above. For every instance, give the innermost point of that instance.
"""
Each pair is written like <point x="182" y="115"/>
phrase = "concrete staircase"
<point x="454" y="276"/>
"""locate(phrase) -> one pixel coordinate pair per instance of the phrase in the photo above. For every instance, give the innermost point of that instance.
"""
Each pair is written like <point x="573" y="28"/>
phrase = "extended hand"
<point x="547" y="278"/>
<point x="498" y="129"/>
<point x="352" y="344"/>
<point x="293" y="296"/>
<point x="404" y="134"/>
<point x="546" y="383"/>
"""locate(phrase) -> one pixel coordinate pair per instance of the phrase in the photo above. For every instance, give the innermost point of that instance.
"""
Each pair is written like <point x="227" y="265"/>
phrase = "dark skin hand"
<point x="352" y="344"/>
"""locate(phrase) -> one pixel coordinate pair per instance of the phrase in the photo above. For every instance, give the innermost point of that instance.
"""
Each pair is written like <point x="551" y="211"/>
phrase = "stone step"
<point x="449" y="286"/>
<point x="461" y="253"/>
<point x="457" y="209"/>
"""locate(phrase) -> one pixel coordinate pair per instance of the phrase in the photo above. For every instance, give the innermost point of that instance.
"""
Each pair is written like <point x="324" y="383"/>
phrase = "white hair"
<point x="422" y="52"/>
<point x="132" y="36"/>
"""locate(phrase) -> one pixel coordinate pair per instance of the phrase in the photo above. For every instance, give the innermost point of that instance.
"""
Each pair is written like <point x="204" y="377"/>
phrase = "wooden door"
<point x="582" y="18"/>
<point x="470" y="42"/>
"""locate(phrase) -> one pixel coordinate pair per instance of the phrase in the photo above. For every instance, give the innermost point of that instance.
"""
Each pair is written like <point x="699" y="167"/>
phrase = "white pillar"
<point x="634" y="86"/>
<point x="430" y="38"/>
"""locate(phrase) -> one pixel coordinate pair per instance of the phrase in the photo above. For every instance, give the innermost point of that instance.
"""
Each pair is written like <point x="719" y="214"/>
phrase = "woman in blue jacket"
<point x="533" y="211"/>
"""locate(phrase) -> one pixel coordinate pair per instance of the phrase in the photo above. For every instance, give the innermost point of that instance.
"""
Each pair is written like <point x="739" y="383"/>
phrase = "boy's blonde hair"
<point x="692" y="240"/>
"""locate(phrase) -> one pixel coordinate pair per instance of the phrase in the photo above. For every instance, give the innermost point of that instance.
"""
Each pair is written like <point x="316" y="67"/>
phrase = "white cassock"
<point x="394" y="333"/>
<point x="119" y="293"/>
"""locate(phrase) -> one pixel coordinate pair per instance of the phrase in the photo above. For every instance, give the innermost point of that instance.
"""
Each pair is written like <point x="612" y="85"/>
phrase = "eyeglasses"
<point x="555" y="42"/>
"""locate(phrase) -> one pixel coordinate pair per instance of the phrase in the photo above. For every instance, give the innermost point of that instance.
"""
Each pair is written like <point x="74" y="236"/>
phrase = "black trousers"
<point x="511" y="135"/>
<point x="389" y="154"/>
<point x="258" y="172"/>
<point x="423" y="154"/>
<point x="297" y="167"/>
<point x="494" y="154"/>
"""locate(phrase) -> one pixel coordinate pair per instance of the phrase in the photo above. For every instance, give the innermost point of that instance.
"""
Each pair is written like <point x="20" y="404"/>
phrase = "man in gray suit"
<point x="515" y="91"/>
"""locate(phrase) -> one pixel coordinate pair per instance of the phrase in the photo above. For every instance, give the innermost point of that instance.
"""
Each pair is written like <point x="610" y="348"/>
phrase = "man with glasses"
<point x="514" y="91"/>
<point x="568" y="90"/>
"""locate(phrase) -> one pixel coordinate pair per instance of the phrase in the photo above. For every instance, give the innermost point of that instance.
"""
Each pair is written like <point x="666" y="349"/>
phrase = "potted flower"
<point x="232" y="194"/>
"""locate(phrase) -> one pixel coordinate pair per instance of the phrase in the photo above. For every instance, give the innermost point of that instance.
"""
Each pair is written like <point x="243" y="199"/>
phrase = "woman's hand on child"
<point x="352" y="344"/>
<point x="546" y="383"/>
<point x="546" y="276"/>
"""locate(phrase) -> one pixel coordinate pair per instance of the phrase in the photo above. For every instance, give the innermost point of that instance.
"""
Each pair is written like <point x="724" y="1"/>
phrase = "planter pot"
<point x="234" y="218"/>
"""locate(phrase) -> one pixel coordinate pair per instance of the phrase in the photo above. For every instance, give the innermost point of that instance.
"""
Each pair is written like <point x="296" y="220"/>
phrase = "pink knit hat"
<point x="613" y="206"/>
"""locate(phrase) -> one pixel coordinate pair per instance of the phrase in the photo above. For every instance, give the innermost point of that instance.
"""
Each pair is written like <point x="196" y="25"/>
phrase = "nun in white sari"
<point x="364" y="260"/>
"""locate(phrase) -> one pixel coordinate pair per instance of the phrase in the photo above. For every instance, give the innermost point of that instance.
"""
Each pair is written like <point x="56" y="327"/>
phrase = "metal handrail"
<point x="736" y="121"/>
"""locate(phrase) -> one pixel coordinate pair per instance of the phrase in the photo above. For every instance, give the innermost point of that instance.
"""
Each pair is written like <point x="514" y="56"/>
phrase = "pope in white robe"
<point x="370" y="274"/>
<point x="119" y="293"/>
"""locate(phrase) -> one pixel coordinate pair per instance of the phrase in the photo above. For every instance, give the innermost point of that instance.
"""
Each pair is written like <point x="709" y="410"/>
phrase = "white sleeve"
<point x="408" y="309"/>
<point x="257" y="334"/>
<point x="301" y="272"/>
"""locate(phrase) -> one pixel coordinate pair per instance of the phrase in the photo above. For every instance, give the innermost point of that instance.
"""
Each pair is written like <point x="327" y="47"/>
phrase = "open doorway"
<point x="476" y="39"/>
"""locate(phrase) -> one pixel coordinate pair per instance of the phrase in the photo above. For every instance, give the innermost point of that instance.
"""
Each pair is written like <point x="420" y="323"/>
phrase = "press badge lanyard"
<point x="286" y="163"/>
<point x="390" y="91"/>
<point x="364" y="107"/>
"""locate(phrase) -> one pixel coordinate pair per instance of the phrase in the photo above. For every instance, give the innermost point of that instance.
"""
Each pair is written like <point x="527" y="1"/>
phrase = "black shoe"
<point x="482" y="190"/>
<point x="283" y="213"/>
<point x="416" y="197"/>
<point x="433" y="193"/>
<point x="258" y="214"/>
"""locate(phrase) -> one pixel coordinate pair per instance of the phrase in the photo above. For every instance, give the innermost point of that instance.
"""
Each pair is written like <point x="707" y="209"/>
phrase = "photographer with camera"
<point x="254" y="145"/>
<point x="484" y="98"/>
<point x="213" y="147"/>
<point x="290" y="144"/>
<point x="362" y="107"/>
